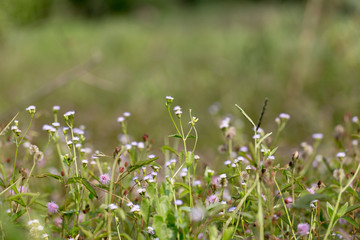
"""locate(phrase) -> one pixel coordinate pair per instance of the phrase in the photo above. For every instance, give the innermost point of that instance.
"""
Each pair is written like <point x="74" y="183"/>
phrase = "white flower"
<point x="239" y="159"/>
<point x="133" y="143"/>
<point x="69" y="113"/>
<point x="196" y="157"/>
<point x="355" y="142"/>
<point x="45" y="235"/>
<point x="355" y="119"/>
<point x="150" y="230"/>
<point x="56" y="108"/>
<point x="271" y="157"/>
<point x="84" y="161"/>
<point x="169" y="98"/>
<point x="56" y="124"/>
<point x="128" y="146"/>
<point x="244" y="149"/>
<point x="196" y="183"/>
<point x="31" y="108"/>
<point x="141" y="145"/>
<point x="340" y="155"/>
<point x="227" y="162"/>
<point x="120" y="119"/>
<point x="135" y="208"/>
<point x="78" y="131"/>
<point x="13" y="128"/>
<point x="178" y="112"/>
<point x="129" y="204"/>
<point x="233" y="165"/>
<point x="112" y="206"/>
<point x="232" y="209"/>
<point x="317" y="136"/>
<point x="225" y="123"/>
<point x="151" y="156"/>
<point x="177" y="108"/>
<point x="256" y="136"/>
<point x="126" y="114"/>
<point x="178" y="202"/>
<point x="198" y="214"/>
<point x="141" y="191"/>
<point x="93" y="162"/>
<point x="222" y="176"/>
<point x="248" y="167"/>
<point x="34" y="222"/>
<point x="284" y="116"/>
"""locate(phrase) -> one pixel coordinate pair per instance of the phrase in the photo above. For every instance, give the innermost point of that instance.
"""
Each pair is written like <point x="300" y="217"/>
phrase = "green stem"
<point x="286" y="211"/>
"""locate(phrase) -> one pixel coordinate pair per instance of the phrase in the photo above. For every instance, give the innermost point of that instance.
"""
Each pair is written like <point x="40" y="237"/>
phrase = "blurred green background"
<point x="101" y="58"/>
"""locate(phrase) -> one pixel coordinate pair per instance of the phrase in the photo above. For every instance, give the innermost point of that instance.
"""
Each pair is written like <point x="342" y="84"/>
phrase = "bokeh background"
<point x="104" y="57"/>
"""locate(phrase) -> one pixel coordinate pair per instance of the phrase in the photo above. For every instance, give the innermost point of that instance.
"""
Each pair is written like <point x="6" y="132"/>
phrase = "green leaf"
<point x="140" y="164"/>
<point x="351" y="221"/>
<point x="168" y="148"/>
<point x="87" y="233"/>
<point x="330" y="209"/>
<point x="181" y="184"/>
<point x="89" y="187"/>
<point x="352" y="208"/>
<point x="353" y="192"/>
<point x="262" y="139"/>
<point x="18" y="215"/>
<point x="57" y="177"/>
<point x="145" y="209"/>
<point x="213" y="232"/>
<point x="176" y="136"/>
<point x="228" y="232"/>
<point x="243" y="113"/>
<point x="189" y="159"/>
<point x="342" y="210"/>
<point x="191" y="136"/>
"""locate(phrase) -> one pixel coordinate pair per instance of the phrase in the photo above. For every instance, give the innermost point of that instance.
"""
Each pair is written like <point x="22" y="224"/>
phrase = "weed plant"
<point x="65" y="189"/>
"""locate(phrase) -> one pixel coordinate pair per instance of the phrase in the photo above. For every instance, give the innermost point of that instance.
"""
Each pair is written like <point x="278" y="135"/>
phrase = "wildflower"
<point x="141" y="145"/>
<point x="232" y="209"/>
<point x="303" y="229"/>
<point x="183" y="172"/>
<point x="222" y="176"/>
<point x="56" y="108"/>
<point x="34" y="222"/>
<point x="256" y="136"/>
<point x="239" y="159"/>
<point x="200" y="236"/>
<point x="288" y="201"/>
<point x="150" y="230"/>
<point x="112" y="206"/>
<point x="78" y="131"/>
<point x="33" y="149"/>
<point x="196" y="183"/>
<point x="129" y="204"/>
<point x="141" y="191"/>
<point x="318" y="136"/>
<point x="271" y="157"/>
<point x="355" y="119"/>
<point x="177" y="108"/>
<point x="120" y="119"/>
<point x="225" y="123"/>
<point x="31" y="109"/>
<point x="69" y="115"/>
<point x="52" y="207"/>
<point x="178" y="202"/>
<point x="105" y="178"/>
<point x="45" y="235"/>
<point x="151" y="156"/>
<point x="340" y="155"/>
<point x="127" y="114"/>
<point x="284" y="116"/>
<point x="311" y="190"/>
<point x="58" y="221"/>
<point x="227" y="162"/>
<point x="135" y="208"/>
<point x="56" y="125"/>
<point x="212" y="199"/>
<point x="244" y="149"/>
<point x="178" y="113"/>
<point x="196" y="157"/>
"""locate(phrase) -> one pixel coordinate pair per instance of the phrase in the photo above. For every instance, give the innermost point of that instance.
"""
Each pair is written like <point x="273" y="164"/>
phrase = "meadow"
<point x="154" y="124"/>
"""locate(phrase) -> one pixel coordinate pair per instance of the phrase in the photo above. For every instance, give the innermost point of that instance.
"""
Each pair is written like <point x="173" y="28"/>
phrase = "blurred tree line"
<point x="23" y="12"/>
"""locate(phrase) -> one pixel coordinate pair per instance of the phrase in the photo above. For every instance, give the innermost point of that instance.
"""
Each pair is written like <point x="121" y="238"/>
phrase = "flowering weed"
<point x="65" y="189"/>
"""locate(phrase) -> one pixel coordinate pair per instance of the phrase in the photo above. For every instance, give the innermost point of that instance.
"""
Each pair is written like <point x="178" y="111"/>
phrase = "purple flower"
<point x="105" y="178"/>
<point x="52" y="207"/>
<point x="303" y="228"/>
